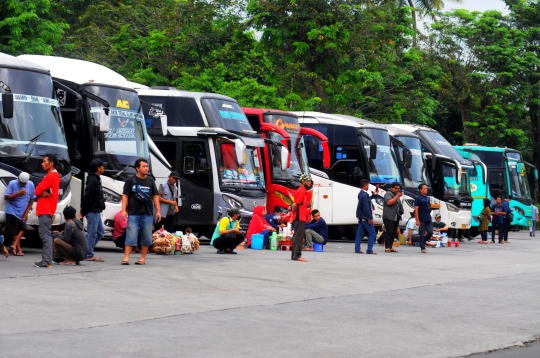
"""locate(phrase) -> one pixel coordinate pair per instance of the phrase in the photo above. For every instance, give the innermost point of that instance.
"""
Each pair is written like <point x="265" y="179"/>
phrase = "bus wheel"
<point x="474" y="231"/>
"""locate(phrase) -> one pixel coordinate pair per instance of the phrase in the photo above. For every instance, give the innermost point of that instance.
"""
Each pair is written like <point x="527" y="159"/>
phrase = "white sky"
<point x="476" y="5"/>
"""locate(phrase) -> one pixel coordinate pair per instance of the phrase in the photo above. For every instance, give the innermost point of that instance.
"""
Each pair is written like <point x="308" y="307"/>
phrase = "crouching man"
<point x="70" y="246"/>
<point x="227" y="235"/>
<point x="316" y="231"/>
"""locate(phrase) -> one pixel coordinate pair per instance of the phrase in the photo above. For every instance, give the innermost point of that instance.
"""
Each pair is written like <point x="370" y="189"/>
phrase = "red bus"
<point x="282" y="180"/>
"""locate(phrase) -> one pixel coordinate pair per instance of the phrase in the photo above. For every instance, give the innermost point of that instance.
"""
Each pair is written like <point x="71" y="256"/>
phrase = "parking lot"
<point x="450" y="302"/>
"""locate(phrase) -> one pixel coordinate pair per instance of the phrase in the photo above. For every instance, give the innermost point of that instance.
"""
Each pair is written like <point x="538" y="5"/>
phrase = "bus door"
<point x="189" y="157"/>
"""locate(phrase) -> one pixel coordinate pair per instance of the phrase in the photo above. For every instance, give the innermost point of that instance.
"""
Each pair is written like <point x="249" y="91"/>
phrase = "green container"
<point x="273" y="242"/>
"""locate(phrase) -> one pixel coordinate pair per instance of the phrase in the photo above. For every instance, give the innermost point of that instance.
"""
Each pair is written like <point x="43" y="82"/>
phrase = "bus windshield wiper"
<point x="34" y="141"/>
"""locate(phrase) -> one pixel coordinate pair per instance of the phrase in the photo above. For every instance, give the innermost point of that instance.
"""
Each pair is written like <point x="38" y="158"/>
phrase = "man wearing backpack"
<point x="508" y="218"/>
<point x="168" y="195"/>
<point x="92" y="205"/>
<point x="139" y="197"/>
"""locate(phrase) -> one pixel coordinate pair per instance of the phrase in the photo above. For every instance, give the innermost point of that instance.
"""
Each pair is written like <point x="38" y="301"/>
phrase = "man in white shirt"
<point x="412" y="232"/>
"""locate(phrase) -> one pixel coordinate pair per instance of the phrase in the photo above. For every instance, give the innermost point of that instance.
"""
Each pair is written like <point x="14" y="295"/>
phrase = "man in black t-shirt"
<point x="438" y="226"/>
<point x="140" y="197"/>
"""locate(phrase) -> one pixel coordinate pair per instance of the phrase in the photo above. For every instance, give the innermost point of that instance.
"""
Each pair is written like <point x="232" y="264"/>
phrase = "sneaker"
<point x="530" y="234"/>
<point x="220" y="251"/>
<point x="231" y="252"/>
<point x="42" y="264"/>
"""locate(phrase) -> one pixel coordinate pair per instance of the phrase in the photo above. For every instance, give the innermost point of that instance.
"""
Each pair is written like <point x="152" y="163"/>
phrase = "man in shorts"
<point x="19" y="199"/>
<point x="139" y="197"/>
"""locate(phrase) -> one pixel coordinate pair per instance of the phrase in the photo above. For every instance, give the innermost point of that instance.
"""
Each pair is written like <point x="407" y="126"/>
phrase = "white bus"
<point x="208" y="140"/>
<point x="30" y="127"/>
<point x="357" y="151"/>
<point x="102" y="117"/>
<point x="418" y="173"/>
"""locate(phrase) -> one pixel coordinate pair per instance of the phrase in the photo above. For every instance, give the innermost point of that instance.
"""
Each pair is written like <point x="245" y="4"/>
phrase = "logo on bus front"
<point x="196" y="207"/>
<point x="288" y="127"/>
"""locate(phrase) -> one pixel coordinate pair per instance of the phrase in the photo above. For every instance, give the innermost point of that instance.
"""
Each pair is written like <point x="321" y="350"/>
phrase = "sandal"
<point x="423" y="251"/>
<point x="67" y="263"/>
<point x="124" y="263"/>
<point x="359" y="252"/>
<point x="96" y="259"/>
<point x="140" y="263"/>
<point x="393" y="250"/>
<point x="300" y="259"/>
<point x="371" y="253"/>
<point x="388" y="250"/>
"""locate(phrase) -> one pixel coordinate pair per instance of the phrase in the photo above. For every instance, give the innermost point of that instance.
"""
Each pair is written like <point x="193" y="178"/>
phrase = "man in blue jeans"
<point x="140" y="197"/>
<point x="92" y="205"/>
<point x="422" y="216"/>
<point x="364" y="215"/>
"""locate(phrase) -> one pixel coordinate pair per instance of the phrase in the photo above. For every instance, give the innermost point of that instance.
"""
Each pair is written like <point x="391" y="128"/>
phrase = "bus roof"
<point x="325" y="118"/>
<point x="397" y="132"/>
<point x="79" y="71"/>
<point x="8" y="61"/>
<point x="251" y="110"/>
<point x="174" y="92"/>
<point x="487" y="149"/>
<point x="363" y="122"/>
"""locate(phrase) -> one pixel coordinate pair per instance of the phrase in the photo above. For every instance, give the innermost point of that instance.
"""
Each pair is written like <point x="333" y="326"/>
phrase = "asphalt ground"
<point x="450" y="302"/>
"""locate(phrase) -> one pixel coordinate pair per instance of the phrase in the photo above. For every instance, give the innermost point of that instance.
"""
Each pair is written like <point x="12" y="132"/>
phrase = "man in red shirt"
<point x="300" y="216"/>
<point x="47" y="199"/>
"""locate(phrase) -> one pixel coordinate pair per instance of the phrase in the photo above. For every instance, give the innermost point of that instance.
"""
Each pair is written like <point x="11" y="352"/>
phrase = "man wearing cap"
<point x="438" y="226"/>
<point x="300" y="216"/>
<point x="168" y="197"/>
<point x="227" y="235"/>
<point x="19" y="197"/>
<point x="93" y="204"/>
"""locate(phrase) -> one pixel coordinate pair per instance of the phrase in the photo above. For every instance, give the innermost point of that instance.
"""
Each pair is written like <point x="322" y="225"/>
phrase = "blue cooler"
<point x="318" y="247"/>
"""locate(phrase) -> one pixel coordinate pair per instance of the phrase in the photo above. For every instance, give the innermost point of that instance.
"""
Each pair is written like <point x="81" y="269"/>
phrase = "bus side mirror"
<point x="105" y="120"/>
<point x="407" y="158"/>
<point x="372" y="151"/>
<point x="79" y="110"/>
<point x="7" y="105"/>
<point x="163" y="118"/>
<point x="433" y="163"/>
<point x="284" y="158"/>
<point x="240" y="151"/>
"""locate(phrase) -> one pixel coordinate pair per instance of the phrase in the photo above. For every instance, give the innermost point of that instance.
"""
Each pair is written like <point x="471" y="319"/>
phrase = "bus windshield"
<point x="233" y="174"/>
<point x="299" y="162"/>
<point x="451" y="187"/>
<point x="126" y="139"/>
<point x="442" y="146"/>
<point x="227" y="115"/>
<point x="36" y="116"/>
<point x="417" y="173"/>
<point x="382" y="169"/>
<point x="519" y="184"/>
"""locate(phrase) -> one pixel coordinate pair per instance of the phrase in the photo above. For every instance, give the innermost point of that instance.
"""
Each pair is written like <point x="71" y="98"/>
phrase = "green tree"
<point x="482" y="56"/>
<point x="350" y="56"/>
<point x="27" y="26"/>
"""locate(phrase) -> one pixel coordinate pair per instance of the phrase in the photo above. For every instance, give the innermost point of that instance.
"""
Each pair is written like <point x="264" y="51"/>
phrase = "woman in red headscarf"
<point x="258" y="225"/>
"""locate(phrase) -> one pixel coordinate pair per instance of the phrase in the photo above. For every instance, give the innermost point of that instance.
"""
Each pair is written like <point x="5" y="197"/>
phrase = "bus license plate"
<point x="528" y="223"/>
<point x="464" y="226"/>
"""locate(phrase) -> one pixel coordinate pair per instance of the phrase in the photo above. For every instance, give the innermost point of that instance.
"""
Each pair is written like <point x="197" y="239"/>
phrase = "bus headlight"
<point x="111" y="197"/>
<point x="232" y="202"/>
<point x="519" y="210"/>
<point x="379" y="201"/>
<point x="452" y="207"/>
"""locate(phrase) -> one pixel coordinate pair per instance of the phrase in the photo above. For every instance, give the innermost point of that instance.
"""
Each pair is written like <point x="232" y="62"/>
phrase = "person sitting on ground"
<point x="412" y="232"/>
<point x="258" y="225"/>
<point x="273" y="219"/>
<point x="119" y="233"/>
<point x="316" y="231"/>
<point x="438" y="226"/>
<point x="3" y="248"/>
<point x="70" y="246"/>
<point x="227" y="235"/>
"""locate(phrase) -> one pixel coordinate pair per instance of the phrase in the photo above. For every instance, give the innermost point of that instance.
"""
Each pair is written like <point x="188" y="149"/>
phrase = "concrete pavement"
<point x="450" y="302"/>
